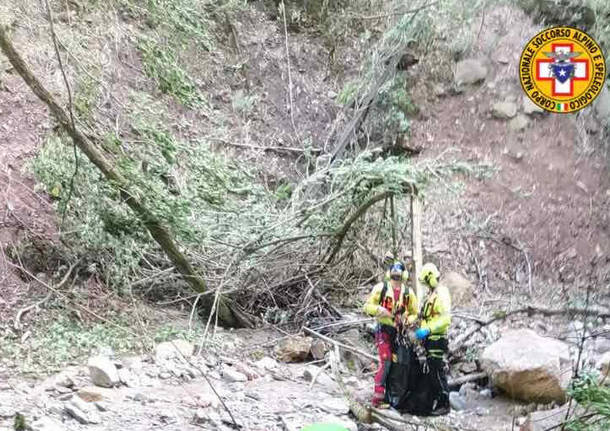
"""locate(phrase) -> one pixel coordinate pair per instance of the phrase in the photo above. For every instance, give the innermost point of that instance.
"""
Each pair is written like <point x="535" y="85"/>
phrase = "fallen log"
<point x="227" y="314"/>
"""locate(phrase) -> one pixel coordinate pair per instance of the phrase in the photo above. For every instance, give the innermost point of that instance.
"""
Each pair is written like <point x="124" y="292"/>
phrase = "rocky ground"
<point x="270" y="381"/>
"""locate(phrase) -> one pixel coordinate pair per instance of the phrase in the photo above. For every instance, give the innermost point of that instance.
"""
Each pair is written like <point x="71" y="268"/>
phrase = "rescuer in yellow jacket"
<point x="435" y="318"/>
<point x="390" y="302"/>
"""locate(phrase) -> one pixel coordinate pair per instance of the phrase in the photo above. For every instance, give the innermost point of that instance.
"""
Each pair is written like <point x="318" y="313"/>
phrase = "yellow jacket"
<point x="436" y="312"/>
<point x="408" y="311"/>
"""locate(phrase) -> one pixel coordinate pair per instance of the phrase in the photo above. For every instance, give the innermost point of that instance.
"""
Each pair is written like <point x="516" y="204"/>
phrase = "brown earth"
<point x="551" y="194"/>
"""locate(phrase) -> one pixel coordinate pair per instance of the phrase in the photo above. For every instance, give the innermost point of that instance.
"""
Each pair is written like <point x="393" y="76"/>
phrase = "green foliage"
<point x="161" y="64"/>
<point x="243" y="103"/>
<point x="54" y="344"/>
<point x="593" y="398"/>
<point x="86" y="94"/>
<point x="20" y="424"/>
<point x="348" y="94"/>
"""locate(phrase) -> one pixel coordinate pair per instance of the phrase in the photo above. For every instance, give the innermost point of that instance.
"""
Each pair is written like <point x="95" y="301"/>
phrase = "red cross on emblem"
<point x="566" y="88"/>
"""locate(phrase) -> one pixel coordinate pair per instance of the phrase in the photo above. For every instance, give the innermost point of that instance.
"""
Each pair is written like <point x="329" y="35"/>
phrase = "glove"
<point x="422" y="333"/>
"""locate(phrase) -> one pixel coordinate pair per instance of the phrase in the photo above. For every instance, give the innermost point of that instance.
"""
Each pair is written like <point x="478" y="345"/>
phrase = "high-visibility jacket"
<point x="406" y="306"/>
<point x="436" y="312"/>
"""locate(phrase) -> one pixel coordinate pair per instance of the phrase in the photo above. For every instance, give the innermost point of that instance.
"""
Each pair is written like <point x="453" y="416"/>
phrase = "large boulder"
<point x="529" y="367"/>
<point x="470" y="71"/>
<point x="294" y="349"/>
<point x="460" y="288"/>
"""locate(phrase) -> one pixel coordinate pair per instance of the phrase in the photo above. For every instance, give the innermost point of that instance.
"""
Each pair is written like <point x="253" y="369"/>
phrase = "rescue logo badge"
<point x="562" y="69"/>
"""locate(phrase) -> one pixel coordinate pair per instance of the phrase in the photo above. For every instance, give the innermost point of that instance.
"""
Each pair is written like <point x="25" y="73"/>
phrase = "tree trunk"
<point x="416" y="244"/>
<point x="155" y="227"/>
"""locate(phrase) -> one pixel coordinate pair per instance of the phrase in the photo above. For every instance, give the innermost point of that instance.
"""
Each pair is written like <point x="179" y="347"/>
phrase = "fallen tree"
<point x="226" y="313"/>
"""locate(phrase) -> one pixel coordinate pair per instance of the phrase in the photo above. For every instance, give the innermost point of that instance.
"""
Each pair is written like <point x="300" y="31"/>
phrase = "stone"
<point x="528" y="367"/>
<point x="530" y="107"/>
<point x="486" y="393"/>
<point x="318" y="349"/>
<point x="103" y="372"/>
<point x="602" y="345"/>
<point x="64" y="380"/>
<point x="47" y="424"/>
<point x="128" y="378"/>
<point x="470" y="71"/>
<point x="82" y="411"/>
<point x="545" y="419"/>
<point x="322" y="379"/>
<point x="603" y="364"/>
<point x="460" y="288"/>
<point x="519" y="123"/>
<point x="174" y="349"/>
<point x="504" y="110"/>
<point x="92" y="394"/>
<point x="266" y="364"/>
<point x="335" y="406"/>
<point x="602" y="107"/>
<point x="456" y="401"/>
<point x="230" y="374"/>
<point x="294" y="349"/>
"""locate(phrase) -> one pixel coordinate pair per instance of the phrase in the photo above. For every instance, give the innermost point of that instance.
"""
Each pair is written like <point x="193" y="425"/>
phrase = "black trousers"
<point x="439" y="388"/>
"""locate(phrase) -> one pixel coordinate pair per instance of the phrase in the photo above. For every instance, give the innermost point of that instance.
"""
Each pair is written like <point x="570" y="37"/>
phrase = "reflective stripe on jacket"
<point x="436" y="312"/>
<point x="406" y="295"/>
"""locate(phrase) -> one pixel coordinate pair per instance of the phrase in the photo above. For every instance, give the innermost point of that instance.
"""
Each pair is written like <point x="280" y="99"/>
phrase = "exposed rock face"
<point x="460" y="288"/>
<point x="103" y="372"/>
<point x="470" y="71"/>
<point x="529" y="367"/>
<point x="294" y="349"/>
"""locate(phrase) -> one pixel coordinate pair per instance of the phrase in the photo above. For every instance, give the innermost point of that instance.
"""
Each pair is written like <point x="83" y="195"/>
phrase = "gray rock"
<point x="64" y="380"/>
<point x="486" y="393"/>
<point x="128" y="378"/>
<point x="335" y="406"/>
<point x="322" y="379"/>
<point x="82" y="411"/>
<point x="456" y="401"/>
<point x="7" y="412"/>
<point x="519" y="123"/>
<point x="602" y="106"/>
<point x="103" y="372"/>
<point x="528" y="367"/>
<point x="530" y="107"/>
<point x="318" y="349"/>
<point x="602" y="345"/>
<point x="230" y="374"/>
<point x="174" y="349"/>
<point x="266" y="364"/>
<point x="470" y="71"/>
<point x="504" y="110"/>
<point x="47" y="424"/>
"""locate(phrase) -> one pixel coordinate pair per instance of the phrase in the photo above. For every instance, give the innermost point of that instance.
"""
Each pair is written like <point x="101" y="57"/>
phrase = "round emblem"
<point x="562" y="69"/>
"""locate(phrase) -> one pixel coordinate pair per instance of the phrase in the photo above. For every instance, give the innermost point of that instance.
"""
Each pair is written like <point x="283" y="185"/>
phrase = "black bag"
<point x="397" y="379"/>
<point x="428" y="391"/>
